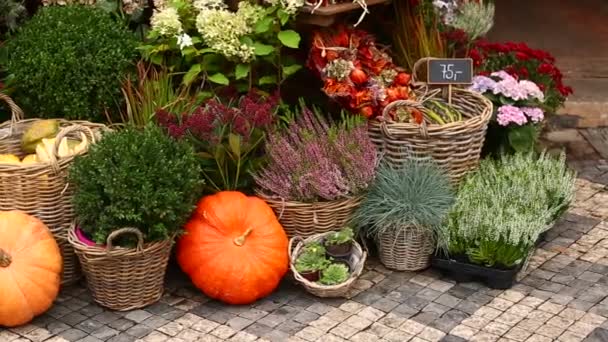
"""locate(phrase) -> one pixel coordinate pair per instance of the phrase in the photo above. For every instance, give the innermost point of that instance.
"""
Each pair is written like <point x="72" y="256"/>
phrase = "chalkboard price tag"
<point x="450" y="71"/>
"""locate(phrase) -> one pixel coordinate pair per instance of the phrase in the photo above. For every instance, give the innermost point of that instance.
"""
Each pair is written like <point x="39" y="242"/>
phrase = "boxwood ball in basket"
<point x="30" y="268"/>
<point x="234" y="248"/>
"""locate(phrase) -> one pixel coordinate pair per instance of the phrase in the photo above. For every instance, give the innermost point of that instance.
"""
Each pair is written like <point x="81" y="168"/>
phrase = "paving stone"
<point x="255" y="314"/>
<point x="580" y="305"/>
<point x="412" y="327"/>
<point x="319" y="308"/>
<point x="290" y="327"/>
<point x="73" y="334"/>
<point x="426" y="317"/>
<point x="221" y="316"/>
<point x="106" y="317"/>
<point x="397" y="336"/>
<point x="358" y="322"/>
<point x="337" y="314"/>
<point x="258" y="329"/>
<point x="138" y="315"/>
<point x="54" y="328"/>
<point x="276" y="336"/>
<point x="367" y="298"/>
<point x="436" y="308"/>
<point x="122" y="337"/>
<point x="452" y="338"/>
<point x="93" y="339"/>
<point x="379" y="329"/>
<point x="393" y="320"/>
<point x="371" y="313"/>
<point x="463" y="331"/>
<point x="73" y="318"/>
<point x="428" y="294"/>
<point x="305" y="317"/>
<point x="385" y="304"/>
<point x="598" y="335"/>
<point x="550" y="331"/>
<point x="204" y="326"/>
<point x="155" y="322"/>
<point x="444" y="324"/>
<point x="460" y="292"/>
<point x="223" y="332"/>
<point x="518" y="334"/>
<point x="448" y="300"/>
<point x="440" y="285"/>
<point x="242" y="336"/>
<point x="89" y="325"/>
<point x="431" y="334"/>
<point x="104" y="333"/>
<point x="484" y="336"/>
<point x="239" y="323"/>
<point x="156" y="336"/>
<point x="468" y="307"/>
<point x="139" y="330"/>
<point x="532" y="302"/>
<point x="324" y="323"/>
<point x="343" y="330"/>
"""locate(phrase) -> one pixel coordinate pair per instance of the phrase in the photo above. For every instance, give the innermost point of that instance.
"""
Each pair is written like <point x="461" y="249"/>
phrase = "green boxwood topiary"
<point x="69" y="61"/>
<point x="135" y="178"/>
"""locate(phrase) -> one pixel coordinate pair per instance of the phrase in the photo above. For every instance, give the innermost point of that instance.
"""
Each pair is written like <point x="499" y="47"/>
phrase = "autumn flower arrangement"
<point x="523" y="62"/>
<point x="518" y="106"/>
<point x="355" y="72"/>
<point x="228" y="137"/>
<point x="314" y="160"/>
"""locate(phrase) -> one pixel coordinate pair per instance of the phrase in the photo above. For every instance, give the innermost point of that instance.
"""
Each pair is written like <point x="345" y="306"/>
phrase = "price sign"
<point x="450" y="71"/>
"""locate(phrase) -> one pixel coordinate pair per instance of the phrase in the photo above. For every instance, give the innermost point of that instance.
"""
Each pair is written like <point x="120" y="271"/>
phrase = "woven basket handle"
<point x="123" y="231"/>
<point x="403" y="103"/>
<point x="16" y="112"/>
<point x="417" y="65"/>
<point x="293" y="241"/>
<point x="68" y="130"/>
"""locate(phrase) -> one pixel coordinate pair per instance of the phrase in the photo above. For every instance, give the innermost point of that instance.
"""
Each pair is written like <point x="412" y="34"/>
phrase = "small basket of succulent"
<point x="328" y="264"/>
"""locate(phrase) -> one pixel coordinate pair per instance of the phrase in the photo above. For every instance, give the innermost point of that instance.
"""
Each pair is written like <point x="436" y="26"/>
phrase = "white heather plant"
<point x="502" y="208"/>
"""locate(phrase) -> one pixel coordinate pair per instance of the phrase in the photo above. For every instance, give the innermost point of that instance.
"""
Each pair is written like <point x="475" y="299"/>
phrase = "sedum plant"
<point x="135" y="178"/>
<point x="343" y="236"/>
<point x="334" y="274"/>
<point x="417" y="194"/>
<point x="68" y="62"/>
<point x="310" y="261"/>
<point x="503" y="208"/>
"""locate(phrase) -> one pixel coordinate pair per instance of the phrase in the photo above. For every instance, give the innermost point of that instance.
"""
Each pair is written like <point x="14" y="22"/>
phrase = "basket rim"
<point x="99" y="251"/>
<point x="485" y="116"/>
<point x="358" y="269"/>
<point x="318" y="204"/>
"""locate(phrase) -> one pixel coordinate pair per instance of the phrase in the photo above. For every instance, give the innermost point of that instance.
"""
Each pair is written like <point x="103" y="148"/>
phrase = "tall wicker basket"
<point x="41" y="189"/>
<point x="406" y="249"/>
<point x="456" y="146"/>
<point x="124" y="278"/>
<point x="308" y="219"/>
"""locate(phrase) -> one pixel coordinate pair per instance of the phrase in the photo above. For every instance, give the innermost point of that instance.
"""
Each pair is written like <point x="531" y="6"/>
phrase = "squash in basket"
<point x="9" y="159"/>
<point x="234" y="249"/>
<point x="30" y="268"/>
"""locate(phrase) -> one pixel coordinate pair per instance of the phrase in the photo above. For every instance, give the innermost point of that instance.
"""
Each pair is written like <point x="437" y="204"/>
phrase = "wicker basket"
<point x="406" y="249"/>
<point x="454" y="146"/>
<point x="124" y="278"/>
<point x="41" y="189"/>
<point x="357" y="260"/>
<point x="307" y="219"/>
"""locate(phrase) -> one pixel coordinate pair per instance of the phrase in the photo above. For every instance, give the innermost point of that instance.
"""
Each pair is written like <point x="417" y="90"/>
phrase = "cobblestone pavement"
<point x="562" y="296"/>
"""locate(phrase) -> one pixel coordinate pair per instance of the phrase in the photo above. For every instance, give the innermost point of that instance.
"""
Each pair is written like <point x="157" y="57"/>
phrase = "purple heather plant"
<point x="312" y="160"/>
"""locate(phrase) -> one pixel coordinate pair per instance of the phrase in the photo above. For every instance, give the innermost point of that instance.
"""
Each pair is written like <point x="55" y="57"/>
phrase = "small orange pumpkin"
<point x="234" y="249"/>
<point x="30" y="268"/>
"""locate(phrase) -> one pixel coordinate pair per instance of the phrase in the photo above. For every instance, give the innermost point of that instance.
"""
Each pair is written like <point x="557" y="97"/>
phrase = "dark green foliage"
<point x="11" y="13"/>
<point x="337" y="238"/>
<point x="68" y="61"/>
<point x="134" y="178"/>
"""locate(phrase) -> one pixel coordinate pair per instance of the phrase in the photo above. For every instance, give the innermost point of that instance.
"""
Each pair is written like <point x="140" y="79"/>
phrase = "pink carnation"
<point x="535" y="114"/>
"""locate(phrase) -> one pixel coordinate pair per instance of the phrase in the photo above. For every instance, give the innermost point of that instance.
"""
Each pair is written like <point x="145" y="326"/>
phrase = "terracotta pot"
<point x="311" y="275"/>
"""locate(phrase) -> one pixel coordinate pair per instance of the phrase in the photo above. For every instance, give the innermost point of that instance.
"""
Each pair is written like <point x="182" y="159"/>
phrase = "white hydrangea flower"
<point x="222" y="30"/>
<point x="250" y="13"/>
<point x="289" y="6"/>
<point x="166" y="22"/>
<point x="184" y="40"/>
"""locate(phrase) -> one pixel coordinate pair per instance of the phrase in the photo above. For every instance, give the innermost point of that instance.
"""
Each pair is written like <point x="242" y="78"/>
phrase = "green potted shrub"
<point x="132" y="194"/>
<point x="334" y="274"/>
<point x="310" y="263"/>
<point x="500" y="212"/>
<point x="68" y="62"/>
<point x="403" y="210"/>
<point x="339" y="244"/>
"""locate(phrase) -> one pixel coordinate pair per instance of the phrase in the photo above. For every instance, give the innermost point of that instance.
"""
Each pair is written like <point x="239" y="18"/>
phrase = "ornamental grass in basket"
<point x="132" y="194"/>
<point x="403" y="211"/>
<point x="316" y="171"/>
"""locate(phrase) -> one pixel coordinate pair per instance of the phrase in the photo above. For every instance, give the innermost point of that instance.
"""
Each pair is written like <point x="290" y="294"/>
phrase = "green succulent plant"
<point x="337" y="238"/>
<point x="310" y="262"/>
<point x="334" y="274"/>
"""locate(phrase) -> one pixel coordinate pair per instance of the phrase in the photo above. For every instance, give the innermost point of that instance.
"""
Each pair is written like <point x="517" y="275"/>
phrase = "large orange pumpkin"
<point x="30" y="268"/>
<point x="234" y="248"/>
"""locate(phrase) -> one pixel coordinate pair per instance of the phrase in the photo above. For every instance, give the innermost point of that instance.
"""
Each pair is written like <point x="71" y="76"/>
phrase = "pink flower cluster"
<point x="502" y="83"/>
<point x="508" y="114"/>
<point x="312" y="160"/>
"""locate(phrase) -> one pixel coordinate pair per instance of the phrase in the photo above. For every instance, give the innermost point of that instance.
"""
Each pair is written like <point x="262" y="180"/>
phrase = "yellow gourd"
<point x="67" y="148"/>
<point x="30" y="159"/>
<point x="36" y="132"/>
<point x="9" y="159"/>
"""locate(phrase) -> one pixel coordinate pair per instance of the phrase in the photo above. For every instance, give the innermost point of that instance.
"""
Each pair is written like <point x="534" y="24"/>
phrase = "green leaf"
<point x="219" y="78"/>
<point x="241" y="71"/>
<point x="522" y="138"/>
<point x="283" y="17"/>
<point x="289" y="38"/>
<point x="262" y="49"/>
<point x="191" y="75"/>
<point x="108" y="6"/>
<point x="263" y="25"/>
<point x="235" y="144"/>
<point x="268" y="80"/>
<point x="289" y="70"/>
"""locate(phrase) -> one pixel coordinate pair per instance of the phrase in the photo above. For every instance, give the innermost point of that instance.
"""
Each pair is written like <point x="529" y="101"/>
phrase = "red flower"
<point x="545" y="68"/>
<point x="523" y="72"/>
<point x="522" y="56"/>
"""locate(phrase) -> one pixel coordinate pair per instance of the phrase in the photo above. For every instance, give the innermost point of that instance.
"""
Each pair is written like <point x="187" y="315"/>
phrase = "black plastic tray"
<point x="464" y="272"/>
